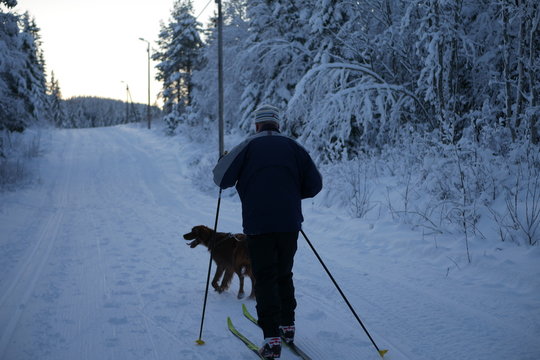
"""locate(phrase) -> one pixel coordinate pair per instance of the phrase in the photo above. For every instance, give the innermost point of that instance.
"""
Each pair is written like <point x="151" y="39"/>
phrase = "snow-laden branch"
<point x="381" y="85"/>
<point x="353" y="102"/>
<point x="277" y="45"/>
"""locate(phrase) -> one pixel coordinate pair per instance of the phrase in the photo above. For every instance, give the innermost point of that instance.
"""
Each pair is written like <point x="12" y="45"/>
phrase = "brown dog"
<point x="230" y="255"/>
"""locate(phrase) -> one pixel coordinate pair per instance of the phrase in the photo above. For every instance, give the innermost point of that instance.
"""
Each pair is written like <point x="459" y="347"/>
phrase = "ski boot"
<point x="271" y="348"/>
<point x="287" y="333"/>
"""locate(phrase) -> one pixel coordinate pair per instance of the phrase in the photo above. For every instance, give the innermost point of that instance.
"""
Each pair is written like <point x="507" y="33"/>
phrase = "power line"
<point x="205" y="6"/>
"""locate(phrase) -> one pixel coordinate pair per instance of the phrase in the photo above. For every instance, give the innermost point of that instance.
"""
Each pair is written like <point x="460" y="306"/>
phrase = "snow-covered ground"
<point x="93" y="266"/>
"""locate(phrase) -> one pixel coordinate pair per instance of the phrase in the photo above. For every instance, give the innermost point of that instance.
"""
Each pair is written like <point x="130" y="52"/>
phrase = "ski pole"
<point x="200" y="341"/>
<point x="381" y="352"/>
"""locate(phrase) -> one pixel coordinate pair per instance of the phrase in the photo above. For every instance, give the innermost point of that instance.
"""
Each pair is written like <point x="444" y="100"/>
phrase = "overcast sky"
<point x="93" y="46"/>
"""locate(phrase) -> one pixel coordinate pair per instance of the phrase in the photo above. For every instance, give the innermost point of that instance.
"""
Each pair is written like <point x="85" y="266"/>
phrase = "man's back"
<point x="272" y="174"/>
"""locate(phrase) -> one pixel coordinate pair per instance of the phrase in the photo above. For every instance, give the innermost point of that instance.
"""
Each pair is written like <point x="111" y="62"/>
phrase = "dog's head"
<point x="200" y="234"/>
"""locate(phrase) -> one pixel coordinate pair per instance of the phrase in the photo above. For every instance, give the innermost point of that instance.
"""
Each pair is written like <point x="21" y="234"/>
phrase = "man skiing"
<point x="272" y="174"/>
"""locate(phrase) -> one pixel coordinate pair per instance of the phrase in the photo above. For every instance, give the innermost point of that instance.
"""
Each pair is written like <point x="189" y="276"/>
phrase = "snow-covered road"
<point x="93" y="266"/>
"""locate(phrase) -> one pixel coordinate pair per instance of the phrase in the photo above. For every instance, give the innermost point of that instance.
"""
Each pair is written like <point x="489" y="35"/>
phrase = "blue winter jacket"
<point x="272" y="174"/>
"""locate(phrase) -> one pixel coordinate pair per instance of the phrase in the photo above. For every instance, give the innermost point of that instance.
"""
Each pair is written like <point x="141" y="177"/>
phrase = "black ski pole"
<point x="200" y="341"/>
<point x="381" y="352"/>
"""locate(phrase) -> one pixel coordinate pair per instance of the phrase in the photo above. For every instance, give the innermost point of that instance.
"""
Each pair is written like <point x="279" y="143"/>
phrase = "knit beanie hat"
<point x="267" y="113"/>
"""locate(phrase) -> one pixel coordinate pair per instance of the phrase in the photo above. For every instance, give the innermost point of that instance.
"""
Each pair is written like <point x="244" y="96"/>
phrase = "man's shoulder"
<point x="271" y="136"/>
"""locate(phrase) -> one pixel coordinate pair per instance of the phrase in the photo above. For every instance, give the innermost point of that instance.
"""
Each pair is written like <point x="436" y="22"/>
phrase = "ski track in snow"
<point x="93" y="266"/>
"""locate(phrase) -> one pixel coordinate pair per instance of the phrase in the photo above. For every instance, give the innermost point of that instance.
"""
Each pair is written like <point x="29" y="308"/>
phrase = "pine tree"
<point x="9" y="3"/>
<point x="13" y="113"/>
<point x="23" y="99"/>
<point x="56" y="109"/>
<point x="178" y="55"/>
<point x="35" y="87"/>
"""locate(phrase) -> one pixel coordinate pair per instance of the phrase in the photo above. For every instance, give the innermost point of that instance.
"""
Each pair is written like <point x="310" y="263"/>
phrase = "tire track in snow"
<point x="132" y="194"/>
<point x="158" y="189"/>
<point x="24" y="282"/>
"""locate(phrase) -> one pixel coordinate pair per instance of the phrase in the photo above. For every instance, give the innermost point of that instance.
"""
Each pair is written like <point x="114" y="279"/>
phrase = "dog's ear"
<point x="204" y="233"/>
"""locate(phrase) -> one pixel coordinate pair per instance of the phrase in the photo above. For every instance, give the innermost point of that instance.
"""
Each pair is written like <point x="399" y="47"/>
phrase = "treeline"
<point x="357" y="75"/>
<point x="88" y="111"/>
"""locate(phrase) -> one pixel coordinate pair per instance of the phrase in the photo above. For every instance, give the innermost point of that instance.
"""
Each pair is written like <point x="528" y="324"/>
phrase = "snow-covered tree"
<point x="57" y="113"/>
<point x="205" y="92"/>
<point x="350" y="82"/>
<point x="34" y="87"/>
<point x="13" y="114"/>
<point x="23" y="99"/>
<point x="179" y="47"/>
<point x="275" y="55"/>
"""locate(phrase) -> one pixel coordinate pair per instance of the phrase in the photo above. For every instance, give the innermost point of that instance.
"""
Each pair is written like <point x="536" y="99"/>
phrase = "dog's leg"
<point x="241" y="278"/>
<point x="217" y="276"/>
<point x="252" y="278"/>
<point x="226" y="282"/>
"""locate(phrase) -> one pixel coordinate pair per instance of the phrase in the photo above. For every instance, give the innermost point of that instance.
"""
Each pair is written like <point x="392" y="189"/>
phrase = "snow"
<point x="93" y="266"/>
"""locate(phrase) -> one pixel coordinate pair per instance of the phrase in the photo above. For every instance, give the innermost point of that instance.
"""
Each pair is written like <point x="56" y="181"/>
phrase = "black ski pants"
<point x="272" y="257"/>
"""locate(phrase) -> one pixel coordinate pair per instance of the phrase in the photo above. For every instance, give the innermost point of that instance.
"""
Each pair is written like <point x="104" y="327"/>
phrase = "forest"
<point x="373" y="71"/>
<point x="441" y="96"/>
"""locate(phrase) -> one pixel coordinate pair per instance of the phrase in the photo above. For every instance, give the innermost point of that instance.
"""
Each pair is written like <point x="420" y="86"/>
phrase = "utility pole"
<point x="221" y="151"/>
<point x="148" y="105"/>
<point x="127" y="101"/>
<point x="220" y="78"/>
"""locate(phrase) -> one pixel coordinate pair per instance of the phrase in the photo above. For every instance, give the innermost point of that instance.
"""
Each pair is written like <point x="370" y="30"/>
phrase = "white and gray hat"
<point x="267" y="113"/>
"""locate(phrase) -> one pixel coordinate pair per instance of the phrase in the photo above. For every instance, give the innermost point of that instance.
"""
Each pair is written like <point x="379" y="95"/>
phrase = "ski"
<point x="295" y="349"/>
<point x="251" y="346"/>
